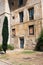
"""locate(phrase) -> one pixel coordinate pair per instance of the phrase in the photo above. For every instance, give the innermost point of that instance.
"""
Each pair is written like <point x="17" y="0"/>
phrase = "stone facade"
<point x="18" y="30"/>
<point x="22" y="29"/>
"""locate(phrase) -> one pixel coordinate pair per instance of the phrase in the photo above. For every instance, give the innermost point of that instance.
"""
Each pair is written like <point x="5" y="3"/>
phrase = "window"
<point x="13" y="32"/>
<point x="12" y="3"/>
<point x="31" y="13"/>
<point x="20" y="2"/>
<point x="31" y="30"/>
<point x="21" y="16"/>
<point x="13" y="17"/>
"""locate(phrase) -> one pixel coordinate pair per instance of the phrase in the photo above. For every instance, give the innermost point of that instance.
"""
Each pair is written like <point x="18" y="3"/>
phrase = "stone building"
<point x="25" y="21"/>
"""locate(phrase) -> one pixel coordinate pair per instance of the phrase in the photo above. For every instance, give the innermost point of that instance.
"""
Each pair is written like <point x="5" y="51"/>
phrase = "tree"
<point x="5" y="34"/>
<point x="39" y="46"/>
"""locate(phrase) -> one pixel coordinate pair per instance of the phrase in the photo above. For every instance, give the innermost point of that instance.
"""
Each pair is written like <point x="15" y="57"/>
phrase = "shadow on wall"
<point x="14" y="4"/>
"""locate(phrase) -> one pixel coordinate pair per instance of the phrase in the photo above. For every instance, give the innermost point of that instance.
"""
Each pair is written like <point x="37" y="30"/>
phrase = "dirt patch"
<point x="17" y="58"/>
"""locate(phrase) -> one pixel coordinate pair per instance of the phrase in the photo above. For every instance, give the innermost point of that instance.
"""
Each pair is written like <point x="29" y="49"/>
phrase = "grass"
<point x="28" y="52"/>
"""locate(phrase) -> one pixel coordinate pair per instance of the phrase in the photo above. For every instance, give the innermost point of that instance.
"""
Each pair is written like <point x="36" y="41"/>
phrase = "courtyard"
<point x="22" y="57"/>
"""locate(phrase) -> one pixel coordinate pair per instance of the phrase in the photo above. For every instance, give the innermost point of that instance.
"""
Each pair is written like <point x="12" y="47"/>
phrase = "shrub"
<point x="39" y="46"/>
<point x="10" y="47"/>
<point x="5" y="34"/>
<point x="0" y="47"/>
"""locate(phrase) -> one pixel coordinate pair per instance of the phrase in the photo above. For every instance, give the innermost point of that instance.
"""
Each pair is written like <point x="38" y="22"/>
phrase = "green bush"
<point x="39" y="46"/>
<point x="10" y="47"/>
<point x="5" y="34"/>
<point x="0" y="47"/>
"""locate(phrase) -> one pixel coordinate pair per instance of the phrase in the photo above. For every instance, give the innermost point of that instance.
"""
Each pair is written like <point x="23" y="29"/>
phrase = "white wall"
<point x="2" y="6"/>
